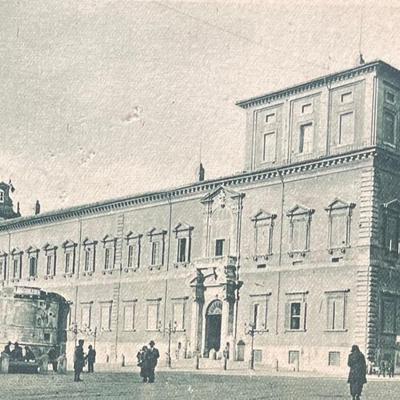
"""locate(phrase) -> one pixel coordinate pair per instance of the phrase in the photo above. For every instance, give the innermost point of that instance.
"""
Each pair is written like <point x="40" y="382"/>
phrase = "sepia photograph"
<point x="199" y="199"/>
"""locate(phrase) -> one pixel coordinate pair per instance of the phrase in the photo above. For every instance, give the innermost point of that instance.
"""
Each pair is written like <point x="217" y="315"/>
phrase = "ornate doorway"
<point x="213" y="327"/>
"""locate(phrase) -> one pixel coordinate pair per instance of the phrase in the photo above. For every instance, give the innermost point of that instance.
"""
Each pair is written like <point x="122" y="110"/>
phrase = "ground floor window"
<point x="334" y="358"/>
<point x="294" y="357"/>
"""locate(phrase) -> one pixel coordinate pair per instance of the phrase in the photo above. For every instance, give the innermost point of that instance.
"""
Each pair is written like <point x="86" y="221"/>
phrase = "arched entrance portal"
<point x="213" y="327"/>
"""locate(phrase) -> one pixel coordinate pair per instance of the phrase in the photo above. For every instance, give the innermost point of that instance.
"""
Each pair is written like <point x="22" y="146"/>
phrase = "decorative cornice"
<point x="121" y="204"/>
<point x="316" y="83"/>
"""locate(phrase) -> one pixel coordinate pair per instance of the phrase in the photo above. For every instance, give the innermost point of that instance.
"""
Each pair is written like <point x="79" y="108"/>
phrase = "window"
<point x="133" y="242"/>
<point x="388" y="308"/>
<point x="259" y="311"/>
<point x="219" y="247"/>
<point x="257" y="355"/>
<point x="295" y="312"/>
<point x="32" y="267"/>
<point x="263" y="229"/>
<point x="389" y="126"/>
<point x="391" y="226"/>
<point x="153" y="323"/>
<point x="50" y="253"/>
<point x="86" y="315"/>
<point x="346" y="97"/>
<point x="334" y="358"/>
<point x="294" y="357"/>
<point x="105" y="316"/>
<point x="299" y="230"/>
<point x="339" y="224"/>
<point x="1" y="196"/>
<point x="69" y="257"/>
<point x="89" y="249"/>
<point x="157" y="247"/>
<point x="336" y="311"/>
<point x="3" y="266"/>
<point x="178" y="315"/>
<point x="129" y="315"/>
<point x="183" y="234"/>
<point x="270" y="118"/>
<point x="346" y="128"/>
<point x="269" y="147"/>
<point x="306" y="138"/>
<point x="389" y="97"/>
<point x="109" y="244"/>
<point x="16" y="264"/>
<point x="307" y="108"/>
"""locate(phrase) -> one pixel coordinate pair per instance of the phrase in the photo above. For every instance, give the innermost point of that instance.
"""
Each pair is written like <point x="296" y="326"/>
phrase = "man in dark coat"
<point x="358" y="372"/>
<point x="91" y="358"/>
<point x="7" y="348"/>
<point x="151" y="358"/>
<point x="79" y="361"/>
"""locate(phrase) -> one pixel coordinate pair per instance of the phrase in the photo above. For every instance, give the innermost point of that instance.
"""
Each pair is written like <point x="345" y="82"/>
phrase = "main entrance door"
<point x="213" y="327"/>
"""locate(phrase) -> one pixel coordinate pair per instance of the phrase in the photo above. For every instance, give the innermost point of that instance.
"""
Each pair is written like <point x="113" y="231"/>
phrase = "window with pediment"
<point x="259" y="311"/>
<point x="299" y="230"/>
<point x="109" y="244"/>
<point x="296" y="311"/>
<point x="391" y="226"/>
<point x="263" y="232"/>
<point x="183" y="235"/>
<point x="157" y="247"/>
<point x="16" y="262"/>
<point x="339" y="225"/>
<point x="51" y="260"/>
<point x="133" y="250"/>
<point x="89" y="251"/>
<point x="69" y="257"/>
<point x="3" y="265"/>
<point x="33" y="257"/>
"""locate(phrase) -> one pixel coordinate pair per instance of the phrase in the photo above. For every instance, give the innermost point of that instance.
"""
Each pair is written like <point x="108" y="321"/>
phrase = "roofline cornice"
<point x="315" y="83"/>
<point x="184" y="191"/>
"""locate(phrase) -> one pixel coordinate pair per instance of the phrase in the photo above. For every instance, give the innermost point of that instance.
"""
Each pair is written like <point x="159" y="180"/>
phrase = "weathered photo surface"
<point x="199" y="199"/>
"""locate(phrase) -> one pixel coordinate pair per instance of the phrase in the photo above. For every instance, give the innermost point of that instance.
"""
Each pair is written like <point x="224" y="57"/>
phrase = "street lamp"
<point x="170" y="330"/>
<point x="250" y="329"/>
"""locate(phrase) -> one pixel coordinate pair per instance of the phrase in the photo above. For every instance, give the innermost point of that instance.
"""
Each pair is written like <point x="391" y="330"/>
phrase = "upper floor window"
<point x="259" y="311"/>
<point x="392" y="226"/>
<point x="389" y="127"/>
<point x="263" y="231"/>
<point x="51" y="260"/>
<point x="133" y="243"/>
<point x="69" y="257"/>
<point x="295" y="311"/>
<point x="1" y="196"/>
<point x="109" y="244"/>
<point x="219" y="247"/>
<point x="339" y="225"/>
<point x="346" y="97"/>
<point x="299" y="229"/>
<point x="157" y="247"/>
<point x="388" y="313"/>
<point x="389" y="97"/>
<point x="33" y="256"/>
<point x="270" y="118"/>
<point x="307" y="108"/>
<point x="336" y="310"/>
<point x="89" y="251"/>
<point x="3" y="265"/>
<point x="16" y="259"/>
<point x="346" y="128"/>
<point x="306" y="136"/>
<point x="269" y="147"/>
<point x="183" y="234"/>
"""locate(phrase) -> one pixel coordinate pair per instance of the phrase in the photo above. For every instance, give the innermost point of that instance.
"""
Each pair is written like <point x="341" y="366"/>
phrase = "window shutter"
<point x="304" y="315"/>
<point x="287" y="316"/>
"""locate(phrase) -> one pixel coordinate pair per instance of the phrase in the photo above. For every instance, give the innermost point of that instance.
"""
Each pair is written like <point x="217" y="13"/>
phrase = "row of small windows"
<point x="296" y="311"/>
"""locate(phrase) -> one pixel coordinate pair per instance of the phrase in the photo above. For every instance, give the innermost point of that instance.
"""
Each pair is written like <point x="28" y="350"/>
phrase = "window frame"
<point x="262" y="301"/>
<point x="109" y="254"/>
<point x="387" y="111"/>
<point x="179" y="326"/>
<point x="260" y="220"/>
<point x="331" y="325"/>
<point x="264" y="158"/>
<point x="183" y="231"/>
<point x="391" y="210"/>
<point x="133" y="251"/>
<point x="86" y="306"/>
<point x="69" y="258"/>
<point x="301" y="141"/>
<point x="3" y="266"/>
<point x="51" y="255"/>
<point x="157" y="236"/>
<point x="106" y="305"/>
<point x="296" y="298"/>
<point x="129" y="304"/>
<point x="33" y="256"/>
<point x="16" y="263"/>
<point x="89" y="256"/>
<point x="149" y="304"/>
<point x="304" y="215"/>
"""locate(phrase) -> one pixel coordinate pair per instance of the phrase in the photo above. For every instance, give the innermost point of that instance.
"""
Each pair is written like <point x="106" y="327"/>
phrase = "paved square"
<point x="181" y="385"/>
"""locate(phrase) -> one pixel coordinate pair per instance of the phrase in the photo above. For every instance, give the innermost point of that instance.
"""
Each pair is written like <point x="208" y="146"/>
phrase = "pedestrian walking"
<point x="358" y="371"/>
<point x="52" y="353"/>
<point x="390" y="368"/>
<point x="151" y="358"/>
<point x="79" y="361"/>
<point x="91" y="358"/>
<point x="142" y="363"/>
<point x="382" y="368"/>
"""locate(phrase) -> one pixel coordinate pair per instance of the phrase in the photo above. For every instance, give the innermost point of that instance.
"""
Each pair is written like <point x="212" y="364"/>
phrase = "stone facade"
<point x="302" y="247"/>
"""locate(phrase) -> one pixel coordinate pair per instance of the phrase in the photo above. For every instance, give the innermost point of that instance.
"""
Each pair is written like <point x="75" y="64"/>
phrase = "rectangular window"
<point x="346" y="97"/>
<point x="392" y="233"/>
<point x="152" y="317"/>
<point x="270" y="118"/>
<point x="155" y="253"/>
<point x="257" y="355"/>
<point x="269" y="147"/>
<point x="68" y="263"/>
<point x="306" y="138"/>
<point x="389" y="316"/>
<point x="336" y="312"/>
<point x="130" y="256"/>
<point x="178" y="315"/>
<point x="17" y="267"/>
<point x="105" y="316"/>
<point x="306" y="108"/>
<point x="334" y="358"/>
<point x="182" y="243"/>
<point x="295" y="316"/>
<point x="32" y="267"/>
<point x="263" y="246"/>
<point x="299" y="234"/>
<point x="259" y="312"/>
<point x="86" y="315"/>
<point x="338" y="231"/>
<point x="346" y="128"/>
<point x="1" y="196"/>
<point x="389" y="127"/>
<point x="3" y="267"/>
<point x="294" y="357"/>
<point x="129" y="316"/>
<point x="219" y="247"/>
<point x="50" y="265"/>
<point x="389" y="97"/>
<point x="107" y="258"/>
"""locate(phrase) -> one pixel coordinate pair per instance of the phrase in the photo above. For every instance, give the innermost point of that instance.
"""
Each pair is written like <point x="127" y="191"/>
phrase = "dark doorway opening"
<point x="213" y="327"/>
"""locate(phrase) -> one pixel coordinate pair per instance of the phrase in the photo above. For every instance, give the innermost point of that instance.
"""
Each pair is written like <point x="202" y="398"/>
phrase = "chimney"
<point x="37" y="207"/>
<point x="202" y="173"/>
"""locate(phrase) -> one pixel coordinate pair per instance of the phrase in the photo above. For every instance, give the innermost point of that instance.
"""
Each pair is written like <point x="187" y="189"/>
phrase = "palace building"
<point x="301" y="249"/>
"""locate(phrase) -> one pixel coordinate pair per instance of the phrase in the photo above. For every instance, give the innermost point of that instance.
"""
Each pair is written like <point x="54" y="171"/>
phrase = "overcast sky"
<point x="101" y="99"/>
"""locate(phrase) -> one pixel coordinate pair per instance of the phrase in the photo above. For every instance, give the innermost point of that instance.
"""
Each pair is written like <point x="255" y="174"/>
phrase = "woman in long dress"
<point x="358" y="372"/>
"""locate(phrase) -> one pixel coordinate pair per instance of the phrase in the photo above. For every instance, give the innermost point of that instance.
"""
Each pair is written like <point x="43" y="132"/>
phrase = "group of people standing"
<point x="147" y="361"/>
<point x="80" y="359"/>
